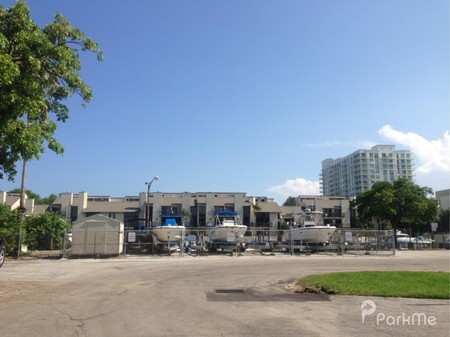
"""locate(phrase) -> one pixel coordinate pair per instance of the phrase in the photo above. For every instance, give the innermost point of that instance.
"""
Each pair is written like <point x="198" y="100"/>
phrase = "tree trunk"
<point x="22" y="208"/>
<point x="23" y="186"/>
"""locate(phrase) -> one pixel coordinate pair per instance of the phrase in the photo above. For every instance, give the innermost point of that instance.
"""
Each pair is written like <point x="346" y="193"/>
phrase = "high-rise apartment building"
<point x="358" y="171"/>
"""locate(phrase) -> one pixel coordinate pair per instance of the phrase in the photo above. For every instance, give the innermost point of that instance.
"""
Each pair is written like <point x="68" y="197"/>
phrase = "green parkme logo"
<point x="368" y="307"/>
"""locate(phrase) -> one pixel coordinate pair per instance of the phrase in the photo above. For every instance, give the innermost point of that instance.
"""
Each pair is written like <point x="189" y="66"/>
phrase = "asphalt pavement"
<point x="250" y="295"/>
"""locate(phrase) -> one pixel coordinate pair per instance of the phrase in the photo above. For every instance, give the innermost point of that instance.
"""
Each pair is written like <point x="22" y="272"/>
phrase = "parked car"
<point x="2" y="251"/>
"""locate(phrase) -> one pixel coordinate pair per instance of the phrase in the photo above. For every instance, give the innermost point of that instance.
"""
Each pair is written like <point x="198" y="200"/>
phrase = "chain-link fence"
<point x="356" y="241"/>
<point x="256" y="240"/>
<point x="196" y="240"/>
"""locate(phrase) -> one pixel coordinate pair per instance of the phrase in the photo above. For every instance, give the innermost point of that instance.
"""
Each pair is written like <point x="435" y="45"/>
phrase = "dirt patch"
<point x="302" y="289"/>
<point x="14" y="289"/>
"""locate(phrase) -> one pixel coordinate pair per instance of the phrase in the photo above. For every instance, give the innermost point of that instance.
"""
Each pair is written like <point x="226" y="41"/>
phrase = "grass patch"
<point x="382" y="283"/>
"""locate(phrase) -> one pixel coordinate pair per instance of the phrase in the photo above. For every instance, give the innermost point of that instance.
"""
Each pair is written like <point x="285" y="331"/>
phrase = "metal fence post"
<point x="394" y="243"/>
<point x="290" y="242"/>
<point x="125" y="239"/>
<point x="95" y="243"/>
<point x="64" y="244"/>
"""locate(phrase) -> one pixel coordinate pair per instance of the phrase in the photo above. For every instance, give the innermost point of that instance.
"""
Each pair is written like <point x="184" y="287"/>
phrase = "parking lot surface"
<point x="209" y="296"/>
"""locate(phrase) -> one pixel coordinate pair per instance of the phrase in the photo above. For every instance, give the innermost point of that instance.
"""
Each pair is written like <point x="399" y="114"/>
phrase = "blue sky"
<point x="248" y="95"/>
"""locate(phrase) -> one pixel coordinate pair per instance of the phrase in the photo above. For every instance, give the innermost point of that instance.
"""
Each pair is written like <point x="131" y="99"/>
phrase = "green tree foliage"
<point x="256" y="207"/>
<point x="48" y="200"/>
<point x="38" y="200"/>
<point x="45" y="231"/>
<point x="400" y="203"/>
<point x="40" y="69"/>
<point x="9" y="228"/>
<point x="290" y="201"/>
<point x="371" y="204"/>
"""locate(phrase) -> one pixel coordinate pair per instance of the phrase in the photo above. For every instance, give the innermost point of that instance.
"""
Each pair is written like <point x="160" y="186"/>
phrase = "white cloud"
<point x="295" y="187"/>
<point x="432" y="162"/>
<point x="432" y="156"/>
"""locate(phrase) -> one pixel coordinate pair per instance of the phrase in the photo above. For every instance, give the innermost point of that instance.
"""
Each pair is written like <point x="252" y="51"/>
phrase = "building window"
<point x="131" y="219"/>
<point x="55" y="208"/>
<point x="226" y="207"/>
<point x="73" y="213"/>
<point x="262" y="219"/>
<point x="201" y="215"/>
<point x="173" y="209"/>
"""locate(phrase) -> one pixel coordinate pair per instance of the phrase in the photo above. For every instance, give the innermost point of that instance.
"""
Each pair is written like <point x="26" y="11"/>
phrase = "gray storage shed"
<point x="97" y="235"/>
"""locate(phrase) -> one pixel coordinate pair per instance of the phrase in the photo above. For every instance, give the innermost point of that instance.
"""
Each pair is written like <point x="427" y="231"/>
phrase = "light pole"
<point x="147" y="214"/>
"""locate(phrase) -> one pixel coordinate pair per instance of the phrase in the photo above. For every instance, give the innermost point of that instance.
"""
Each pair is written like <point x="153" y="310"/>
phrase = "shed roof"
<point x="96" y="218"/>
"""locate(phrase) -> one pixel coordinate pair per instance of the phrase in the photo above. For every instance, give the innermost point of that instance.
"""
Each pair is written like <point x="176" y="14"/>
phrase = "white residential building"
<point x="358" y="171"/>
<point x="197" y="209"/>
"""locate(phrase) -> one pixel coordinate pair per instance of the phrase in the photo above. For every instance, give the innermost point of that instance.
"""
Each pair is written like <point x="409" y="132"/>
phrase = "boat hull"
<point x="228" y="233"/>
<point x="316" y="234"/>
<point x="166" y="234"/>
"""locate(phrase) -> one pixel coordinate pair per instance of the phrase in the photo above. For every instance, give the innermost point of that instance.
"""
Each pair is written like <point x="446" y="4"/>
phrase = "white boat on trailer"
<point x="308" y="231"/>
<point x="170" y="232"/>
<point x="403" y="240"/>
<point x="227" y="229"/>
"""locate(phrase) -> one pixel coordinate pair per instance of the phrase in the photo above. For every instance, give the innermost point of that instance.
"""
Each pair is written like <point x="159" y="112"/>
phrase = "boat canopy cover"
<point x="226" y="213"/>
<point x="170" y="222"/>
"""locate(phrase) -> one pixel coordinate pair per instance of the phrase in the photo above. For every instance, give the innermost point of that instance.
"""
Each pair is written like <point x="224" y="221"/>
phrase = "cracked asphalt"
<point x="178" y="296"/>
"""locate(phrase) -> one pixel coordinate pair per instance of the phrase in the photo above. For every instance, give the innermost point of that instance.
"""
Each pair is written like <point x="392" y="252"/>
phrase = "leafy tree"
<point x="30" y="194"/>
<point x="256" y="207"/>
<point x="290" y="201"/>
<point x="371" y="204"/>
<point x="186" y="214"/>
<point x="9" y="228"/>
<point x="38" y="200"/>
<point x="284" y="225"/>
<point x="40" y="69"/>
<point x="401" y="202"/>
<point x="48" y="200"/>
<point x="45" y="231"/>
